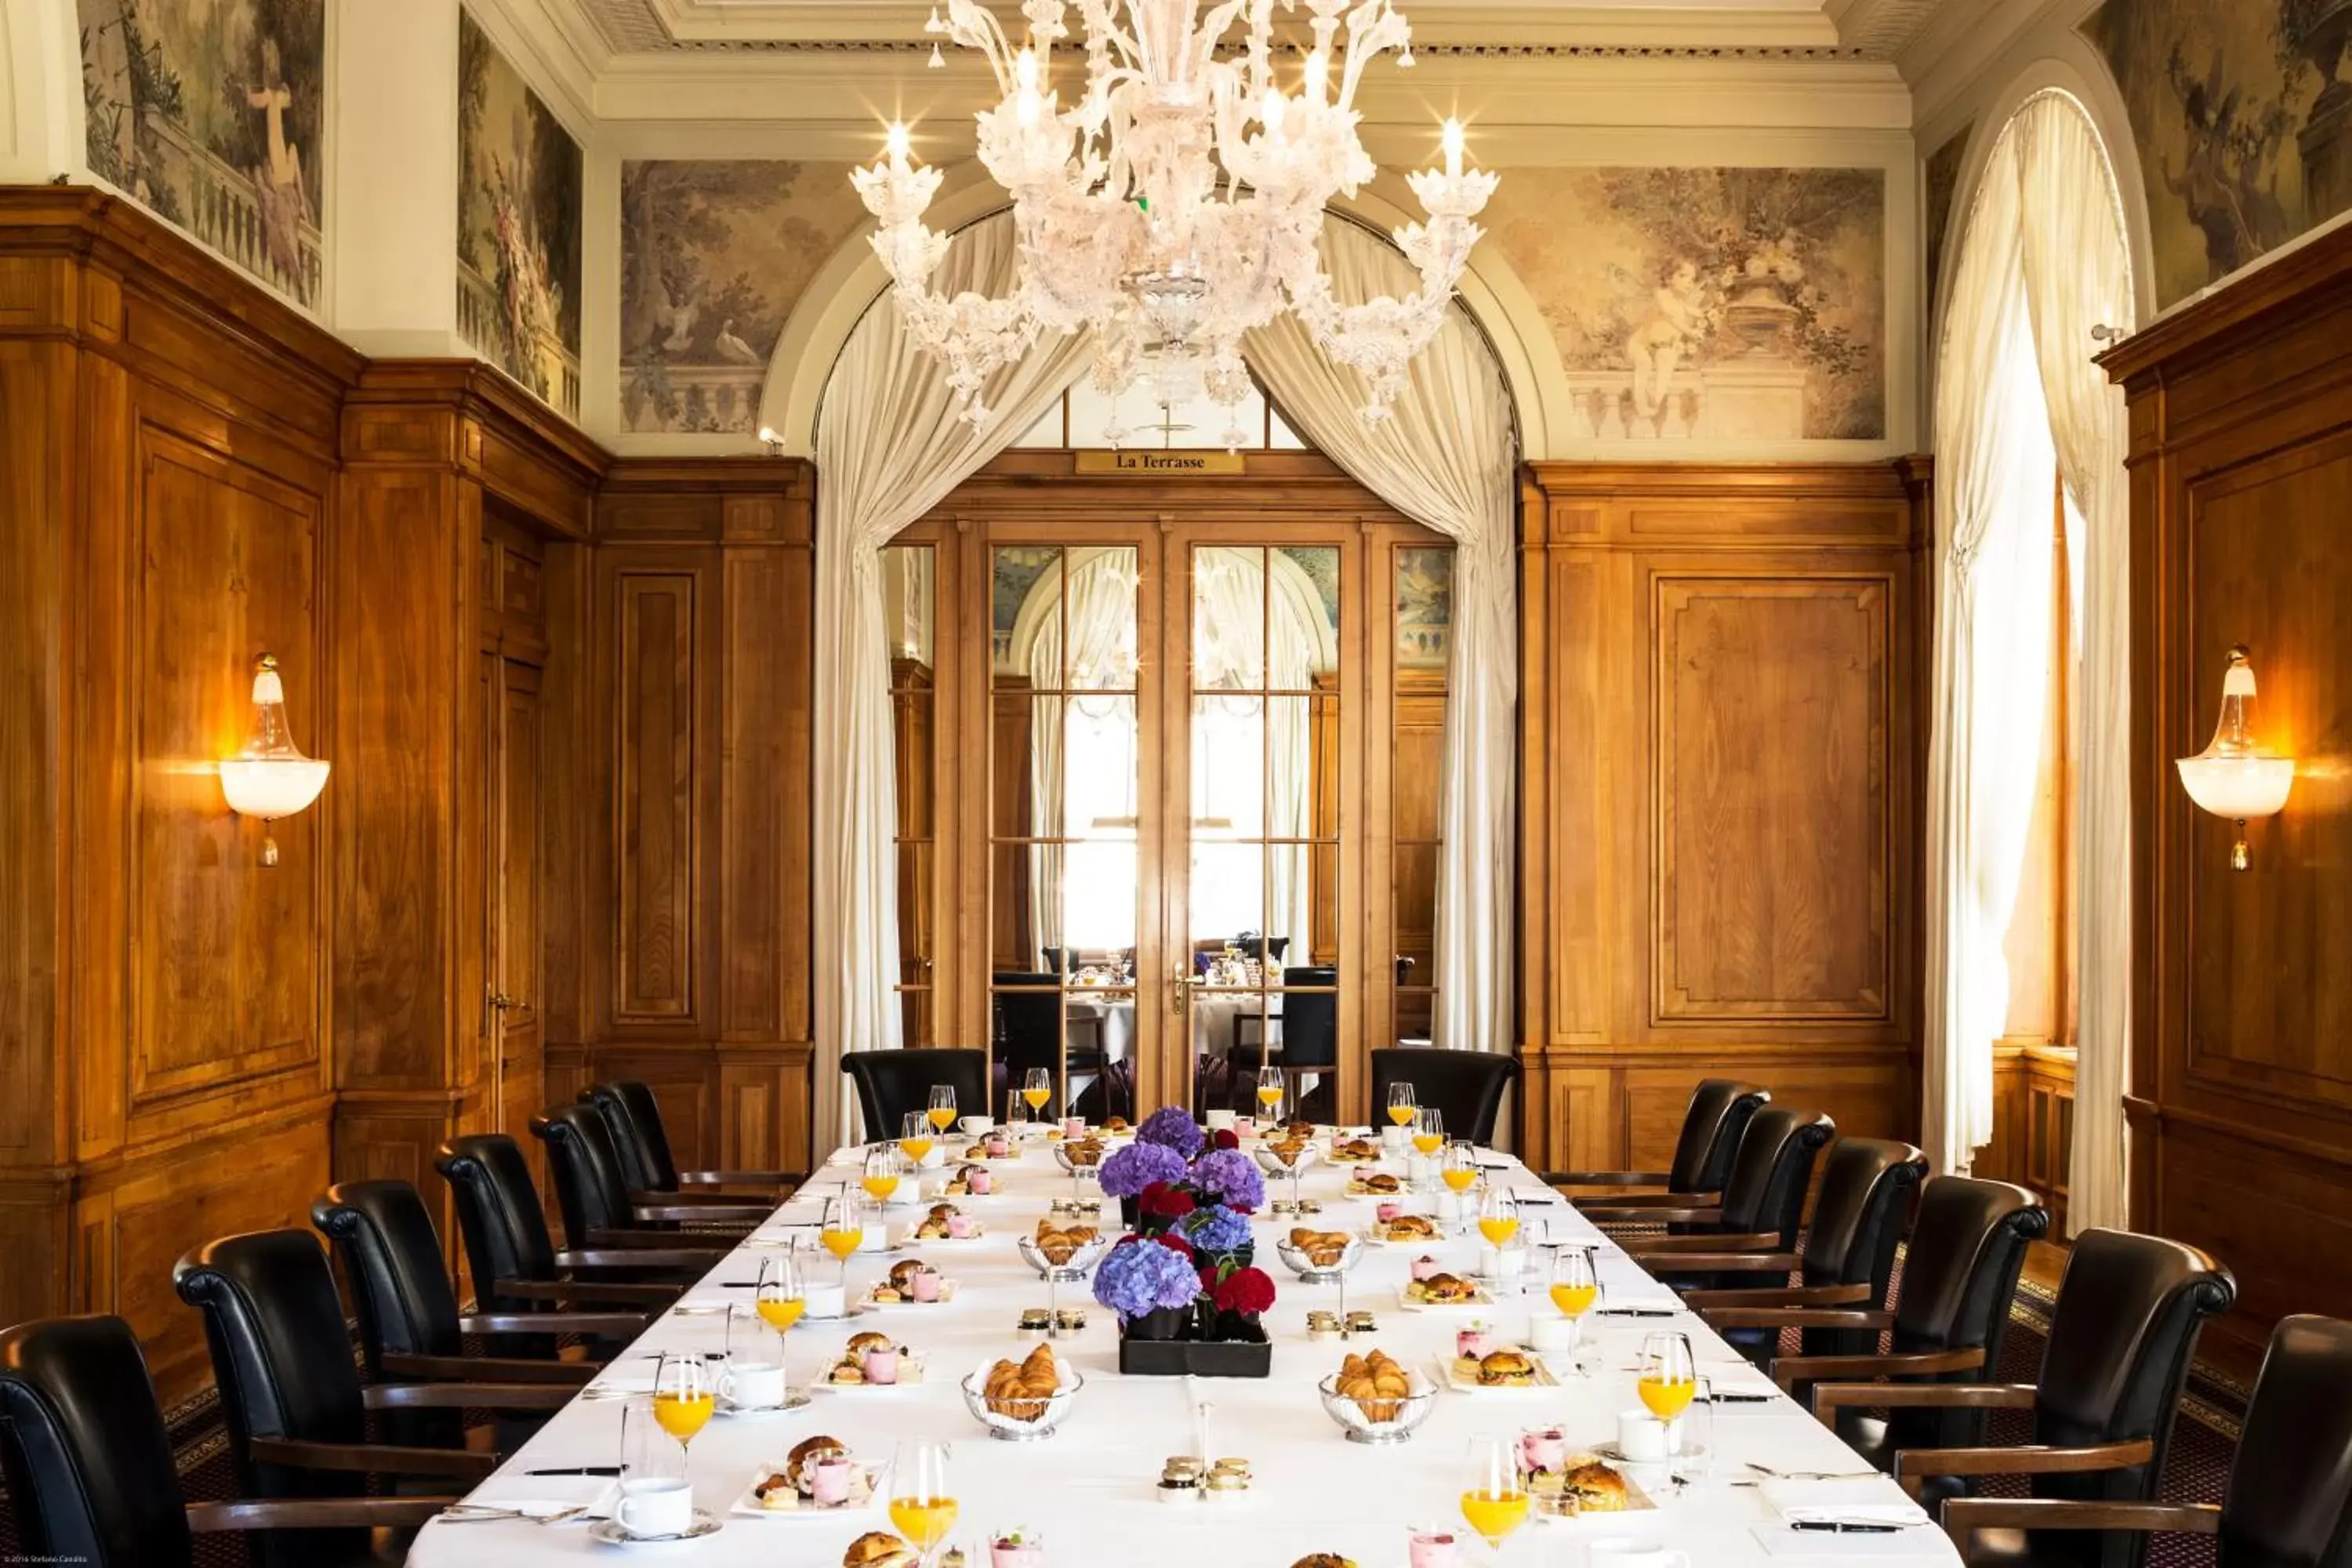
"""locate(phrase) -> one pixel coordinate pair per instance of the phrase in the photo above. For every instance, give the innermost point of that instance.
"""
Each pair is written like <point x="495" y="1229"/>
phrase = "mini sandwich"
<point x="880" y="1549"/>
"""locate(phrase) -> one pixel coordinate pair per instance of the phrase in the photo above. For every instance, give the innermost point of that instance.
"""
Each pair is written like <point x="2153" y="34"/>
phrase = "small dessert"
<point x="879" y="1549"/>
<point x="1035" y="1323"/>
<point x="1376" y="1383"/>
<point x="1322" y="1325"/>
<point x="973" y="1180"/>
<point x="1442" y="1288"/>
<point x="1021" y="1391"/>
<point x="1021" y="1548"/>
<point x="1058" y="1246"/>
<point x="1506" y="1368"/>
<point x="1411" y="1228"/>
<point x="1425" y="1266"/>
<point x="1324" y="1248"/>
<point x="1361" y="1323"/>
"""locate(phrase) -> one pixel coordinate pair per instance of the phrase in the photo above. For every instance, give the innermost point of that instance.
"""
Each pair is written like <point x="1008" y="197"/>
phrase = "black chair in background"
<point x="1713" y="1124"/>
<point x="90" y="1477"/>
<point x="597" y="1206"/>
<point x="632" y="1116"/>
<point x="2126" y="1325"/>
<point x="1763" y="1205"/>
<point x="1311" y="1036"/>
<point x="891" y="1083"/>
<point x="292" y="1400"/>
<point x="2289" y="1502"/>
<point x="1028" y="1028"/>
<point x="1465" y="1086"/>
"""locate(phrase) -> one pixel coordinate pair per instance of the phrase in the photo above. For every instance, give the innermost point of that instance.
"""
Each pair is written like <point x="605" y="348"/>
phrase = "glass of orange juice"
<point x="1269" y="1093"/>
<point x="779" y="1298"/>
<point x="922" y="1495"/>
<point x="1494" y="1496"/>
<point x="842" y="1230"/>
<point x="886" y="1167"/>
<point x="1404" y="1104"/>
<point x="1498" y="1217"/>
<point x="1037" y="1087"/>
<point x="942" y="1106"/>
<point x="915" y="1137"/>
<point x="683" y="1399"/>
<point x="1575" y="1290"/>
<point x="1428" y="1131"/>
<point x="1668" y="1383"/>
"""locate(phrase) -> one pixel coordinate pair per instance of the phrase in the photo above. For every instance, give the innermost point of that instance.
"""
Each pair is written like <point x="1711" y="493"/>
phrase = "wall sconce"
<point x="2233" y="776"/>
<point x="270" y="778"/>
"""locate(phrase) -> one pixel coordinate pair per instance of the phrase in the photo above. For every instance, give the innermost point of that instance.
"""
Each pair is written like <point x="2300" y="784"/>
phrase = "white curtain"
<point x="1101" y="608"/>
<point x="889" y="448"/>
<point x="2019" y="403"/>
<point x="2077" y="274"/>
<point x="1446" y="460"/>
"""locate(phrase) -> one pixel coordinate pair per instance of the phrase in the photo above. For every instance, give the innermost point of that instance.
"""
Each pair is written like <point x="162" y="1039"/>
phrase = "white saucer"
<point x="794" y="1399"/>
<point x="608" y="1532"/>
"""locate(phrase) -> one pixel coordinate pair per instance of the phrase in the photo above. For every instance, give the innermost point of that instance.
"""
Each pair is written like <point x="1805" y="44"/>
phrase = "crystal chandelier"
<point x="1176" y="206"/>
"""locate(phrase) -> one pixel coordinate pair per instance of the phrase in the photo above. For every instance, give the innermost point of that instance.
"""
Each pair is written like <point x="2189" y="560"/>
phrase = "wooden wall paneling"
<point x="1721" y="687"/>
<point x="2241" y="1091"/>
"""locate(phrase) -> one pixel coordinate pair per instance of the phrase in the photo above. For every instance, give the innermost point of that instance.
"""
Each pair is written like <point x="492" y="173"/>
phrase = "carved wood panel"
<point x="659" y="823"/>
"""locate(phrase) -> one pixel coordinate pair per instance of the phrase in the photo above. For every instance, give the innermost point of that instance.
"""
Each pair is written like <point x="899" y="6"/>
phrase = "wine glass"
<point x="843" y="1229"/>
<point x="915" y="1137"/>
<point x="1494" y="1498"/>
<point x="942" y="1111"/>
<point x="1669" y="1381"/>
<point x="1269" y="1093"/>
<point x="1037" y="1087"/>
<point x="779" y="1298"/>
<point x="922" y="1496"/>
<point x="1499" y="1222"/>
<point x="682" y="1400"/>
<point x="1457" y="1170"/>
<point x="1575" y="1290"/>
<point x="886" y="1167"/>
<point x="1428" y="1131"/>
<point x="1404" y="1105"/>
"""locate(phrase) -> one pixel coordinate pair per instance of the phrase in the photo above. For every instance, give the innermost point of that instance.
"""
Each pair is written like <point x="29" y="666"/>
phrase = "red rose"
<point x="1165" y="1202"/>
<point x="1246" y="1290"/>
<point x="1208" y="1278"/>
<point x="1226" y="1138"/>
<point x="1176" y="1244"/>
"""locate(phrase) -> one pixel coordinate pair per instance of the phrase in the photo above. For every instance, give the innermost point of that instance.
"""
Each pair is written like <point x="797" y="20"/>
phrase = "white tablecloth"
<point x="1090" y="1486"/>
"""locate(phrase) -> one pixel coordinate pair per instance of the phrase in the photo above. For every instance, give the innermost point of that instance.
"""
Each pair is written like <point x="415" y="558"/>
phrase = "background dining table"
<point x="1091" y="1487"/>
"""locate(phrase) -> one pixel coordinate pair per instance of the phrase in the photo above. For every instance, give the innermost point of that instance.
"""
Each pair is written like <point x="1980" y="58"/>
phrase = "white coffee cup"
<point x="752" y="1385"/>
<point x="973" y="1126"/>
<point x="824" y="1300"/>
<point x="658" y="1505"/>
<point x="1550" y="1333"/>
<point x="1642" y="1437"/>
<point x="1222" y="1121"/>
<point x="1624" y="1552"/>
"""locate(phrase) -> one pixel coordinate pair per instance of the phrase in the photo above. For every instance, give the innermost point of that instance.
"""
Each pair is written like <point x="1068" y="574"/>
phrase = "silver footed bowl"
<point x="1273" y="1164"/>
<point x="1409" y="1412"/>
<point x="1022" y="1420"/>
<point x="1083" y="1259"/>
<point x="1315" y="1273"/>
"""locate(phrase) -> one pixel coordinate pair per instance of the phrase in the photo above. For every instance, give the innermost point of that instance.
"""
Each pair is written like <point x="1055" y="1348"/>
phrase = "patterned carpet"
<point x="2196" y="1468"/>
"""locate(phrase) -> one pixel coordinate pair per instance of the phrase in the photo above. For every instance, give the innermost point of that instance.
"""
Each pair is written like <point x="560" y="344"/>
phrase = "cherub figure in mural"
<point x="278" y="179"/>
<point x="1679" y="321"/>
<point x="2224" y="181"/>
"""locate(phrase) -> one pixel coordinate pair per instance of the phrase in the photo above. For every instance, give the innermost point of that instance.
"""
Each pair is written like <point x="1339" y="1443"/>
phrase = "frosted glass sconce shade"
<point x="2233" y="776"/>
<point x="270" y="778"/>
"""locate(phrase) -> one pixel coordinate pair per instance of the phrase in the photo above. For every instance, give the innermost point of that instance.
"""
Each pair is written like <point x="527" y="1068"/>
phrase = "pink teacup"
<point x="959" y="1226"/>
<point x="997" y="1147"/>
<point x="829" y="1483"/>
<point x="926" y="1285"/>
<point x="1432" y="1549"/>
<point x="1388" y="1211"/>
<point x="1074" y="1126"/>
<point x="881" y="1367"/>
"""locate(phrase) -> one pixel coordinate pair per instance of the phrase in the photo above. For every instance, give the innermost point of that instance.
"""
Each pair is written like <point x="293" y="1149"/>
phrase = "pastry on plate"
<point x="933" y="1226"/>
<point x="879" y="1549"/>
<point x="1447" y="1288"/>
<point x="902" y="1277"/>
<point x="1083" y="1152"/>
<point x="1020" y="1390"/>
<point x="1114" y="1124"/>
<point x="1377" y="1181"/>
<point x="867" y="1340"/>
<point x="1410" y="1227"/>
<point x="1324" y="1248"/>
<point x="1595" y="1487"/>
<point x="848" y="1372"/>
<point x="1506" y="1368"/>
<point x="799" y="1472"/>
<point x="1377" y="1383"/>
<point x="1324" y="1559"/>
<point x="1057" y="1245"/>
<point x="1356" y="1149"/>
<point x="1299" y="1127"/>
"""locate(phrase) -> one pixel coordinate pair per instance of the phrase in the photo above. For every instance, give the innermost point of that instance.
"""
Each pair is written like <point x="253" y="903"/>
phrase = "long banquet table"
<point x="1090" y="1486"/>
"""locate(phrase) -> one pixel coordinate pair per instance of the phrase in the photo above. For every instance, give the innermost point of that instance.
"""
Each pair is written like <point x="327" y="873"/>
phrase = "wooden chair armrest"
<point x="466" y="1396"/>
<point x="1754" y="1241"/>
<point x="1964" y="1516"/>
<point x="315" y="1513"/>
<point x="702" y="1208"/>
<point x="1780" y="1296"/>
<point x="1680" y="1211"/>
<point x="1674" y="1260"/>
<point x="1931" y="1396"/>
<point x="605" y="1293"/>
<point x="1788" y="1370"/>
<point x="1607" y="1179"/>
<point x="790" y="1179"/>
<point x="1913" y="1465"/>
<point x="656" y="1257"/>
<point x="505" y="1369"/>
<point x="1791" y="1317"/>
<point x="553" y="1323"/>
<point x="617" y="1239"/>
<point x="375" y="1459"/>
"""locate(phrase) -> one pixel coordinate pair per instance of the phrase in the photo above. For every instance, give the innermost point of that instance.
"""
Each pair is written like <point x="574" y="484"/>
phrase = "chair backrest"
<point x="399" y="1285"/>
<point x="1466" y="1086"/>
<point x="1310" y="1019"/>
<point x="283" y="1363"/>
<point x="1712" y="1127"/>
<point x="2129" y="1309"/>
<point x="891" y="1083"/>
<point x="499" y="1216"/>
<point x="590" y="1191"/>
<point x="2289" y="1500"/>
<point x="1766" y="1188"/>
<point x="632" y="1116"/>
<point x="1865" y="1206"/>
<point x="1028" y="1035"/>
<point x="83" y="1450"/>
<point x="1969" y="1243"/>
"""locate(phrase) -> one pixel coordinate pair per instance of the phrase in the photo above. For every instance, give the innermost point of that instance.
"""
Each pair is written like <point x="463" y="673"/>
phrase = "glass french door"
<point x="1166" y="803"/>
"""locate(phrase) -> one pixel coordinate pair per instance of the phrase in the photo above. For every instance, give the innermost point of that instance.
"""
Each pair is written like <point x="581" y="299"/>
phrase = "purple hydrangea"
<point x="1126" y="1172"/>
<point x="1141" y="1277"/>
<point x="1171" y="1127"/>
<point x="1215" y="1230"/>
<point x="1233" y="1177"/>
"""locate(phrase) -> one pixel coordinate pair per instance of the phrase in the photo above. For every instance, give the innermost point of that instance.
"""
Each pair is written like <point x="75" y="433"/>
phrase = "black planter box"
<point x="1251" y="1357"/>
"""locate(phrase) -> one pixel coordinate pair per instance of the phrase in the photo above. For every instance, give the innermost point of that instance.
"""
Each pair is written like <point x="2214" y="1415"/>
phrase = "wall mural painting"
<point x="1425" y="606"/>
<point x="207" y="113"/>
<point x="1711" y="304"/>
<point x="714" y="255"/>
<point x="519" y="213"/>
<point x="2243" y="127"/>
<point x="1942" y="182"/>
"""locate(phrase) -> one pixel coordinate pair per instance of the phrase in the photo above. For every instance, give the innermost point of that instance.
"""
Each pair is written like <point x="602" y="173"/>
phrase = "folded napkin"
<point x="1870" y="1500"/>
<point x="539" y="1495"/>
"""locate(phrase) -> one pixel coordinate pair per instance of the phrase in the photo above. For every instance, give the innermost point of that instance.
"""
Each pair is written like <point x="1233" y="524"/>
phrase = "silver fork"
<point x="1813" y="1475"/>
<point x="467" y="1513"/>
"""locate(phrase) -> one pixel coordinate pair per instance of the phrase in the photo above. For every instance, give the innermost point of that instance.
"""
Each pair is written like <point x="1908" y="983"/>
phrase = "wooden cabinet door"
<point x="513" y="877"/>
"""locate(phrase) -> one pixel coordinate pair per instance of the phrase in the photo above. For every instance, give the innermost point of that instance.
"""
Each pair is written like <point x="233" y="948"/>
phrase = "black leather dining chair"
<point x="632" y="1116"/>
<point x="1465" y="1086"/>
<point x="597" y="1206"/>
<point x="891" y="1083"/>
<point x="1713" y="1123"/>
<point x="291" y="1398"/>
<point x="1868" y="1186"/>
<point x="1763" y="1203"/>
<point x="2289" y="1500"/>
<point x="2129" y="1309"/>
<point x="90" y="1478"/>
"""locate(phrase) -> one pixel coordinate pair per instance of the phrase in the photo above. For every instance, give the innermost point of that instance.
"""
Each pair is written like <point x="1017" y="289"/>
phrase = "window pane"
<point x="1228" y="619"/>
<point x="1135" y="419"/>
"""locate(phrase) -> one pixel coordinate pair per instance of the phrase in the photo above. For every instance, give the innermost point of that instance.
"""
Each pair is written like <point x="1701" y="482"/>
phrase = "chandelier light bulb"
<point x="1318" y="76"/>
<point x="1452" y="139"/>
<point x="898" y="143"/>
<point x="1270" y="112"/>
<point x="1024" y="71"/>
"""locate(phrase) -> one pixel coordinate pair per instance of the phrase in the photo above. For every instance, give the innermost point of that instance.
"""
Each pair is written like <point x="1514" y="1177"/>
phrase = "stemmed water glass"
<point x="842" y="1230"/>
<point x="683" y="1401"/>
<point x="923" y="1505"/>
<point x="1494" y="1501"/>
<point x="779" y="1298"/>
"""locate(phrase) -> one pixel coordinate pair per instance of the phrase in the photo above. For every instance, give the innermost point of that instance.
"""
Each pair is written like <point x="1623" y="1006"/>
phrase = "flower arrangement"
<point x="1139" y="1277"/>
<point x="1171" y="1127"/>
<point x="1140" y="1165"/>
<point x="1190" y="1197"/>
<point x="1215" y="1230"/>
<point x="1231" y="1177"/>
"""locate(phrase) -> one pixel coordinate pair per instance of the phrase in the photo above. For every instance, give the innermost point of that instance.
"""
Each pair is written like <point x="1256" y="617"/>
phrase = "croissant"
<point x="1085" y="1151"/>
<point x="1323" y="1247"/>
<point x="1289" y="1150"/>
<point x="1376" y="1383"/>
<point x="1060" y="1246"/>
<point x="1021" y="1391"/>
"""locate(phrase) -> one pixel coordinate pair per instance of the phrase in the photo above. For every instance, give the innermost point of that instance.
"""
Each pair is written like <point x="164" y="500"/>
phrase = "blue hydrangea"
<point x="1126" y="1172"/>
<point x="1141" y="1277"/>
<point x="1171" y="1127"/>
<point x="1215" y="1230"/>
<point x="1231" y="1175"/>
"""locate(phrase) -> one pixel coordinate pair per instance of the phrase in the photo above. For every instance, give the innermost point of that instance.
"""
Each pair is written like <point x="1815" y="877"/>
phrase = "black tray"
<point x="1202" y="1358"/>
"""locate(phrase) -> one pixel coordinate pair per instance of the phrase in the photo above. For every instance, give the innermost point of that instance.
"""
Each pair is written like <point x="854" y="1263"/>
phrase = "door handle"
<point x="1178" y="983"/>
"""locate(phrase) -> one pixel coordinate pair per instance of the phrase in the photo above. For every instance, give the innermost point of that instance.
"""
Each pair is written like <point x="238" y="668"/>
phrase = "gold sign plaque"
<point x="1162" y="465"/>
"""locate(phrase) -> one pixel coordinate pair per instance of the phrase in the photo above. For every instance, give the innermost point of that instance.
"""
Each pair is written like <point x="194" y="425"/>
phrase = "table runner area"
<point x="1090" y="1486"/>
